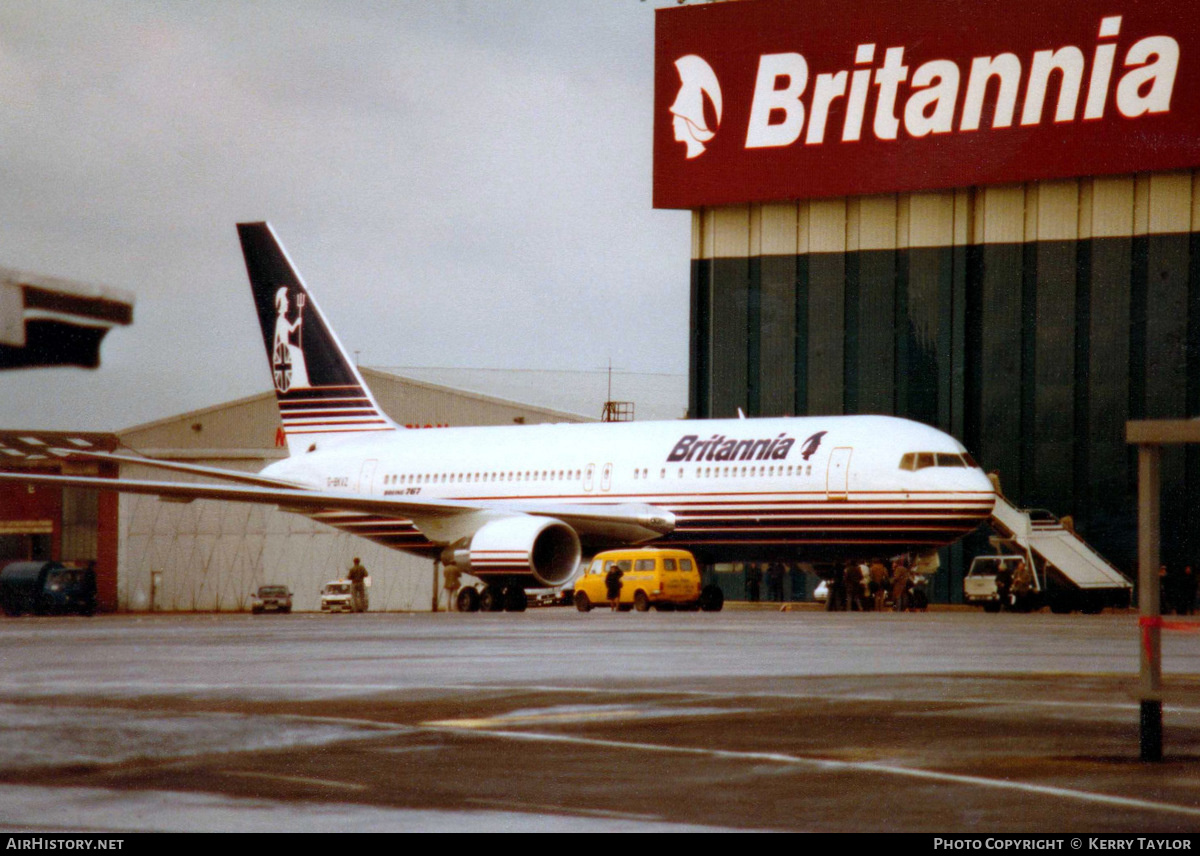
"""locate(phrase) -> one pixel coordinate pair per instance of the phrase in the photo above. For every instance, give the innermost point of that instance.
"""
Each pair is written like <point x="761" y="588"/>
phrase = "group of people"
<point x="873" y="587"/>
<point x="774" y="577"/>
<point x="1014" y="585"/>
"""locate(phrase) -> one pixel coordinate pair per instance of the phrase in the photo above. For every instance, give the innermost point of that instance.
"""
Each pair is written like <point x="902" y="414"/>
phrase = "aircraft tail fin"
<point x="320" y="393"/>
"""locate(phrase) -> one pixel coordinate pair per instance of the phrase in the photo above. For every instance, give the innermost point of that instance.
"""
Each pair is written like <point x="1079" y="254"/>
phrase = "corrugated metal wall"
<point x="211" y="556"/>
<point x="1029" y="320"/>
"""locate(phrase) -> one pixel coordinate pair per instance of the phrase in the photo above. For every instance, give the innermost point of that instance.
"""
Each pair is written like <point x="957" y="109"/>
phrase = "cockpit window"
<point x="920" y="460"/>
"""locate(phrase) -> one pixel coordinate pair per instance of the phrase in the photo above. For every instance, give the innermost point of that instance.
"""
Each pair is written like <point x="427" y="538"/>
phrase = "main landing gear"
<point x="493" y="599"/>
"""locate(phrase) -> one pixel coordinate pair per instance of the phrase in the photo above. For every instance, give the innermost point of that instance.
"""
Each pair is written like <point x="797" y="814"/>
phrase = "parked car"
<point x="44" y="588"/>
<point x="337" y="596"/>
<point x="550" y="596"/>
<point x="271" y="599"/>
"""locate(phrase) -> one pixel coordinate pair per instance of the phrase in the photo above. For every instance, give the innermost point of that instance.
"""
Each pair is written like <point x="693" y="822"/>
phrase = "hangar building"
<point x="983" y="217"/>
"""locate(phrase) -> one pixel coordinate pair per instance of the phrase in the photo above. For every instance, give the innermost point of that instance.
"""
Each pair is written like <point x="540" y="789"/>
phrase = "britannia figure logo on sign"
<point x="696" y="79"/>
<point x="287" y="359"/>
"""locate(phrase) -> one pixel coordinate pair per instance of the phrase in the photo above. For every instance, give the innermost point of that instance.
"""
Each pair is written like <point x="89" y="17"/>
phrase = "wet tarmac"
<point x="553" y="720"/>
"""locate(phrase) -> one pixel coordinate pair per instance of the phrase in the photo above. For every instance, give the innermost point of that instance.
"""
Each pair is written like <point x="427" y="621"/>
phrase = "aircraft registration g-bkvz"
<point x="520" y="506"/>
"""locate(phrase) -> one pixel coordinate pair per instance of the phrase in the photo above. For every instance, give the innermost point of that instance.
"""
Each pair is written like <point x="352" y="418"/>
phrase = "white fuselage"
<point x="800" y="488"/>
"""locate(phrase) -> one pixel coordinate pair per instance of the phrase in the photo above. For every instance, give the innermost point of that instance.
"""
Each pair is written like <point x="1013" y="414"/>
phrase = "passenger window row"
<point x="751" y="472"/>
<point x="733" y="472"/>
<point x="476" y="478"/>
<point x="577" y="475"/>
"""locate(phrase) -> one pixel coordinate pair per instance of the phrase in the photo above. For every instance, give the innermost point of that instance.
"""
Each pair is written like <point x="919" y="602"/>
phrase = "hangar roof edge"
<point x="367" y="372"/>
<point x="472" y="394"/>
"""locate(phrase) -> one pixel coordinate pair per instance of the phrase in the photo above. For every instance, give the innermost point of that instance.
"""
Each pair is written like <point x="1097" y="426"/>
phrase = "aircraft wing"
<point x="442" y="519"/>
<point x="177" y="467"/>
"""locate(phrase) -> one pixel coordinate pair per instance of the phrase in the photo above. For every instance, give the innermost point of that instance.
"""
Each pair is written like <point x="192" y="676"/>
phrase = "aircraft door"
<point x="588" y="477"/>
<point x="606" y="477"/>
<point x="367" y="475"/>
<point x="837" y="478"/>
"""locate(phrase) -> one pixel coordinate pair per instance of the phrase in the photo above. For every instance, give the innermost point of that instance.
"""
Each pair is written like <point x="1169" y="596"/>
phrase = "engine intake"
<point x="527" y="550"/>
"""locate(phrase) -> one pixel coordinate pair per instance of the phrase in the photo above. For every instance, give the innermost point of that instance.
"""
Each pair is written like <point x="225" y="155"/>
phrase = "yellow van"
<point x="666" y="579"/>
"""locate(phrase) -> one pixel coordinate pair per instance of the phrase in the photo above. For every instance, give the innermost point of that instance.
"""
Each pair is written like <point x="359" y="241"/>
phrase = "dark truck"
<point x="46" y="588"/>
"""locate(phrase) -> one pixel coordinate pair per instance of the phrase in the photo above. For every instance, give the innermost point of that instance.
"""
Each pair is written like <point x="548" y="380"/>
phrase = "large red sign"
<point x="784" y="99"/>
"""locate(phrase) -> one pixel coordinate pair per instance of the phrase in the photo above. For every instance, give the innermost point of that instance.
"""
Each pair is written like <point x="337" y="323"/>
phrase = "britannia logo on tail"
<point x="287" y="353"/>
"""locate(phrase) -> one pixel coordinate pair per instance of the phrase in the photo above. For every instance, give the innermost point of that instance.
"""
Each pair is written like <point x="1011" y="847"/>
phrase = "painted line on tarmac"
<point x="28" y="690"/>
<point x="826" y="764"/>
<point x="296" y="780"/>
<point x="855" y="697"/>
<point x="378" y="725"/>
<point x="325" y="689"/>
<point x="575" y="714"/>
<point x="514" y="805"/>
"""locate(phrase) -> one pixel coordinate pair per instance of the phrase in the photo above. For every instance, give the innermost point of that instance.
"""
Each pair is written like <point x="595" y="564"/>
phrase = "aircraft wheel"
<point x="492" y="599"/>
<point x="582" y="602"/>
<point x="640" y="602"/>
<point x="515" y="599"/>
<point x="467" y="600"/>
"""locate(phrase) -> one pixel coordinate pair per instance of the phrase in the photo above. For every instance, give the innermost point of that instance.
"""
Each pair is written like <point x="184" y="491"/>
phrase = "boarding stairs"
<point x="1054" y="546"/>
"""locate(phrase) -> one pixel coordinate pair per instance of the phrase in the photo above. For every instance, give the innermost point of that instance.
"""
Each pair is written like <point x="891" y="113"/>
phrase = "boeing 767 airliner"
<point x="520" y="506"/>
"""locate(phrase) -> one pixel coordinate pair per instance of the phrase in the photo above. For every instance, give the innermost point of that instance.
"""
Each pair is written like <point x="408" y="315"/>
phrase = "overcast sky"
<point x="460" y="182"/>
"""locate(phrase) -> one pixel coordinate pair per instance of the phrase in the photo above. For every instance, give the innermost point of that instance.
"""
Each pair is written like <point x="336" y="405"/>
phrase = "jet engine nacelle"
<point x="541" y="550"/>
